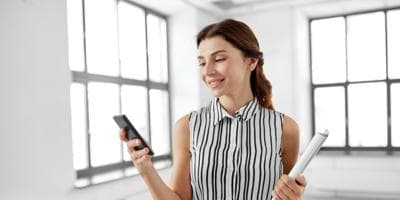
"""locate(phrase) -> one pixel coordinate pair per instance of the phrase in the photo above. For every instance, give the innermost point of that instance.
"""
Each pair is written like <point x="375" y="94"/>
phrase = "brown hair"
<point x="242" y="37"/>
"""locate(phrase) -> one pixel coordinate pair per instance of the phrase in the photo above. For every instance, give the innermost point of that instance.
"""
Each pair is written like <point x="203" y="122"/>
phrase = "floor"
<point x="345" y="198"/>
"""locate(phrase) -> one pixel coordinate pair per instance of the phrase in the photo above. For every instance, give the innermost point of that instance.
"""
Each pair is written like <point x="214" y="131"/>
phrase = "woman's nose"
<point x="209" y="68"/>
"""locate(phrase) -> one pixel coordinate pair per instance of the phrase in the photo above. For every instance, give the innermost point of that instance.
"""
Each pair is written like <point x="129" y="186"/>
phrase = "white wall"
<point x="35" y="137"/>
<point x="183" y="69"/>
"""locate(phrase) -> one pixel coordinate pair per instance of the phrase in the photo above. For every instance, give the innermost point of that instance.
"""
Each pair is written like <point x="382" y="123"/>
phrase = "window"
<point x="355" y="75"/>
<point x="118" y="61"/>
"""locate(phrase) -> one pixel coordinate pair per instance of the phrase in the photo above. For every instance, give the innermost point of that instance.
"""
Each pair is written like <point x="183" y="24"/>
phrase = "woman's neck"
<point x="233" y="103"/>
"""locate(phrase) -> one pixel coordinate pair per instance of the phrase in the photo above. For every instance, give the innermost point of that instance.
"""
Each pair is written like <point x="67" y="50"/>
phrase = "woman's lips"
<point x="215" y="82"/>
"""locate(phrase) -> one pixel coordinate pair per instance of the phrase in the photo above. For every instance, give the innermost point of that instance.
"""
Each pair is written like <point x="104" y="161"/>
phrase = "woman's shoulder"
<point x="288" y="123"/>
<point x="274" y="112"/>
<point x="183" y="121"/>
<point x="290" y="128"/>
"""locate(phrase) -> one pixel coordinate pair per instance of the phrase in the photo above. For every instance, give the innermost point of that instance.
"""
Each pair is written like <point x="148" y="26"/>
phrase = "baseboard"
<point x="353" y="194"/>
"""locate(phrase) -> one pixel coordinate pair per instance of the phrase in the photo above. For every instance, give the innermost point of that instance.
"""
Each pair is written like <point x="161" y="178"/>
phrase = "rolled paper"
<point x="311" y="150"/>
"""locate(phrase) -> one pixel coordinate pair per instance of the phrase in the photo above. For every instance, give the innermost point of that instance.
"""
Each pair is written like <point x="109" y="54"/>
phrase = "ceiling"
<point x="311" y="8"/>
<point x="230" y="4"/>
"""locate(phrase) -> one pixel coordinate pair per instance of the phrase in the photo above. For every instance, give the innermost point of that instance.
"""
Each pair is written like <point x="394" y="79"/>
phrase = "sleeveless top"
<point x="235" y="157"/>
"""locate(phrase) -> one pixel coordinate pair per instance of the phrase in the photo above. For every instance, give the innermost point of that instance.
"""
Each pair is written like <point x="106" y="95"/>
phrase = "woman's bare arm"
<point x="287" y="188"/>
<point x="180" y="179"/>
<point x="290" y="143"/>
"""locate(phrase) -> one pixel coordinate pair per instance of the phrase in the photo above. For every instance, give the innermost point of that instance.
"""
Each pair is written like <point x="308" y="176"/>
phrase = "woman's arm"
<point x="180" y="187"/>
<point x="290" y="143"/>
<point x="180" y="179"/>
<point x="287" y="188"/>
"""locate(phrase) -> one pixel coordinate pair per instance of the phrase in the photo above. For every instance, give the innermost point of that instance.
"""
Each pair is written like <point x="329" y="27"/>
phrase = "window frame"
<point x="84" y="77"/>
<point x="347" y="149"/>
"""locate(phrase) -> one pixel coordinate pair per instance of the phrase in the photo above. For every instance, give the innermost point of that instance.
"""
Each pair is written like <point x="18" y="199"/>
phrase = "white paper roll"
<point x="311" y="150"/>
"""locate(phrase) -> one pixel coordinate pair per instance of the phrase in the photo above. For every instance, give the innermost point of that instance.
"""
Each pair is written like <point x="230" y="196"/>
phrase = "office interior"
<point x="36" y="122"/>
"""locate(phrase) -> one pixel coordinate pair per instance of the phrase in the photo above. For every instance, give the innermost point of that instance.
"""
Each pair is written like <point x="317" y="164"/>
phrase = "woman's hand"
<point x="141" y="159"/>
<point x="289" y="189"/>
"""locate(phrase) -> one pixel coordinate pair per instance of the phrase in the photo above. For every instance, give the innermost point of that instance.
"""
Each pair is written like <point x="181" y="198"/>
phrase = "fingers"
<point x="140" y="158"/>
<point x="132" y="144"/>
<point x="143" y="158"/>
<point x="291" y="184"/>
<point x="278" y="194"/>
<point x="300" y="180"/>
<point x="275" y="196"/>
<point x="136" y="155"/>
<point x="140" y="155"/>
<point x="287" y="188"/>
<point x="122" y="135"/>
<point x="282" y="191"/>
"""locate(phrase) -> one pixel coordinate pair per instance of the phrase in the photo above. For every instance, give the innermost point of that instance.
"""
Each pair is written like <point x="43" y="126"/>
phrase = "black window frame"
<point x="347" y="149"/>
<point x="83" y="77"/>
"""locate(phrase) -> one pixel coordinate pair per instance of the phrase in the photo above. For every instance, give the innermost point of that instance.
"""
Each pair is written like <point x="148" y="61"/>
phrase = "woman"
<point x="237" y="147"/>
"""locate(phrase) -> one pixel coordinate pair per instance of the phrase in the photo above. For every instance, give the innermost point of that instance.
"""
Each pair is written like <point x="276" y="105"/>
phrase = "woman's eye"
<point x="219" y="60"/>
<point x="202" y="64"/>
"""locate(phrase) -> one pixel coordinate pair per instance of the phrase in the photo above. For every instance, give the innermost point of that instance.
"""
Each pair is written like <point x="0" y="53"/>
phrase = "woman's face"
<point x="223" y="68"/>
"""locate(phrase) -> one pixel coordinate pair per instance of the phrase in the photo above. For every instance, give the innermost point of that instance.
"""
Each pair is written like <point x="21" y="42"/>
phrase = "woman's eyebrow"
<point x="215" y="52"/>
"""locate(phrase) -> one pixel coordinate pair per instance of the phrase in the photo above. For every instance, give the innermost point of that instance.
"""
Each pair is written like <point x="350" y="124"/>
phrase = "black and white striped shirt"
<point x="235" y="157"/>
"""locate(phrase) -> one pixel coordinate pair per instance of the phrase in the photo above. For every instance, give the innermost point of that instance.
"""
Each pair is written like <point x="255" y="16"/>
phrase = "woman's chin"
<point x="216" y="92"/>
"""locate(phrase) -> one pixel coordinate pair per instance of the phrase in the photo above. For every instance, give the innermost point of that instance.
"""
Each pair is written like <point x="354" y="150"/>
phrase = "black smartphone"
<point x="131" y="132"/>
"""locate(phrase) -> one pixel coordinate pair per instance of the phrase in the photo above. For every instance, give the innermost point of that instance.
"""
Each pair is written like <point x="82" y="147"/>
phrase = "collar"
<point x="244" y="113"/>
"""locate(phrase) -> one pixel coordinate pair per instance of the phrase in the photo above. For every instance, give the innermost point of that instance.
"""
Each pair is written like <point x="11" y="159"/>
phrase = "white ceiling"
<point x="311" y="8"/>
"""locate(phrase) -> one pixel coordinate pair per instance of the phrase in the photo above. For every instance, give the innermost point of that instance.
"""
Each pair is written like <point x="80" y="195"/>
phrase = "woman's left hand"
<point x="289" y="189"/>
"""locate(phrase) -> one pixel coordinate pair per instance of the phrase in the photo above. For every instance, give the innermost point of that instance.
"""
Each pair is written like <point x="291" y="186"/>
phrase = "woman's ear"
<point x="253" y="63"/>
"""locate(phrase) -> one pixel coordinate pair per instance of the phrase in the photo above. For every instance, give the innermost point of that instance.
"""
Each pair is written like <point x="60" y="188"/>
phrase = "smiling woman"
<point x="238" y="146"/>
<point x="240" y="48"/>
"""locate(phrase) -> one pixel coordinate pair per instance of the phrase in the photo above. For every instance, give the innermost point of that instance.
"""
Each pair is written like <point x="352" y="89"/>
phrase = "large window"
<point x="118" y="61"/>
<point x="355" y="72"/>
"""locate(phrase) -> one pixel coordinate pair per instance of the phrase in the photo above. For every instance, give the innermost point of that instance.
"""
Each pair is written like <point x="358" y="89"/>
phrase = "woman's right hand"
<point x="141" y="159"/>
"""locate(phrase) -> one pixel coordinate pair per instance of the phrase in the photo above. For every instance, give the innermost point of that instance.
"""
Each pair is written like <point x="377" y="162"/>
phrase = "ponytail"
<point x="261" y="86"/>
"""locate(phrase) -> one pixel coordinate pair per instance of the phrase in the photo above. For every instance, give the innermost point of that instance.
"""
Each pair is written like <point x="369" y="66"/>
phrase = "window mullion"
<point x="84" y="34"/>
<point x="88" y="138"/>
<point x="147" y="78"/>
<point x="120" y="111"/>
<point x="347" y="146"/>
<point x="388" y="98"/>
<point x="313" y="125"/>
<point x="119" y="75"/>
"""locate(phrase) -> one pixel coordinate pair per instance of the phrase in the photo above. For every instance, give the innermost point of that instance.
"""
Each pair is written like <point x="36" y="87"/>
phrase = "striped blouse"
<point x="235" y="157"/>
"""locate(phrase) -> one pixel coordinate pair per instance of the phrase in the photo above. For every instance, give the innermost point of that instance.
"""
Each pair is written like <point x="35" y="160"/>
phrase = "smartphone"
<point x="131" y="132"/>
